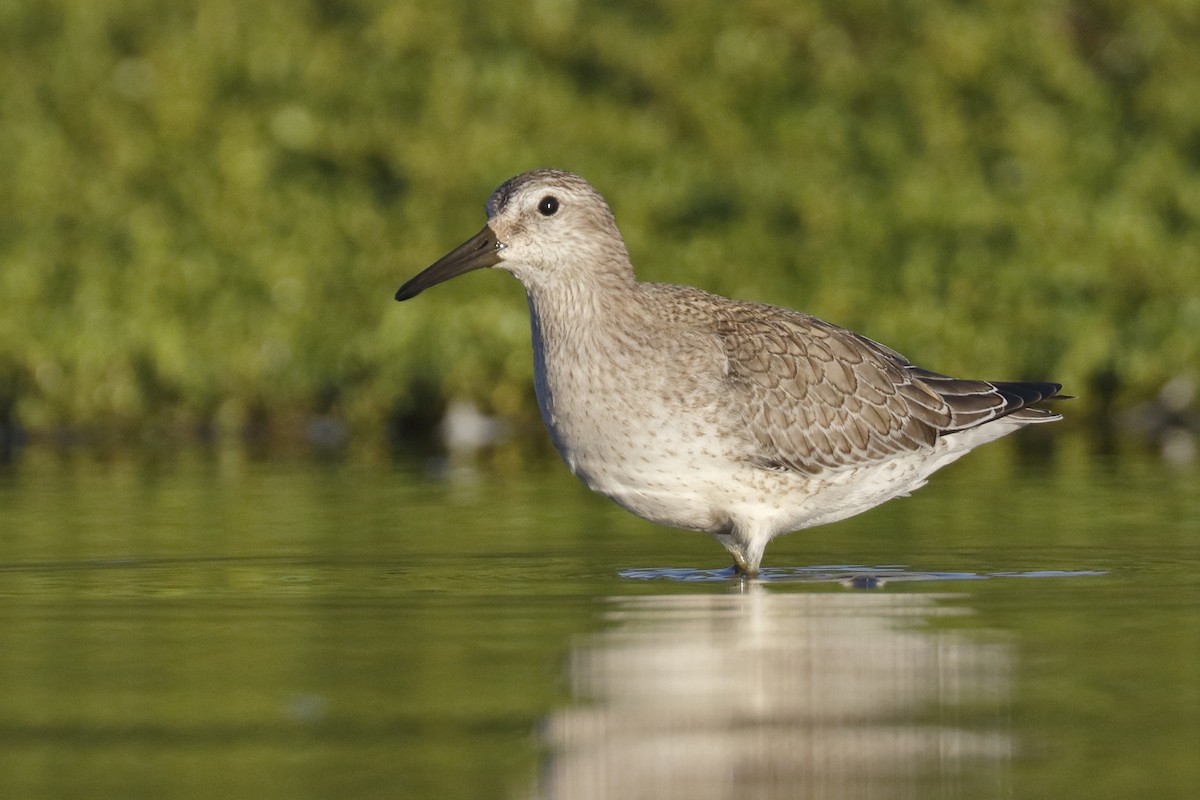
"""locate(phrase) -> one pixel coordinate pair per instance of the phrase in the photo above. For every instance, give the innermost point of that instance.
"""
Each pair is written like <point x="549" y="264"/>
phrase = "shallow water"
<point x="203" y="625"/>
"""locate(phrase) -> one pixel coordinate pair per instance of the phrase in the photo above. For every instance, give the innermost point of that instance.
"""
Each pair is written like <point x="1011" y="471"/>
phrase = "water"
<point x="204" y="625"/>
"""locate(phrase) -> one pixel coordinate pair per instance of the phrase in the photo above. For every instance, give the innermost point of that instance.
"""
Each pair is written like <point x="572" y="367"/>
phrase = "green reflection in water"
<point x="208" y="626"/>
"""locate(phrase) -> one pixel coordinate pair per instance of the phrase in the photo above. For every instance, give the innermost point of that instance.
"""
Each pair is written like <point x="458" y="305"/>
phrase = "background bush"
<point x="205" y="207"/>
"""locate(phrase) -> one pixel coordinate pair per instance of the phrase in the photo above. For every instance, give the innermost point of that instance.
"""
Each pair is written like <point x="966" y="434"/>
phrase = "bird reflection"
<point x="768" y="694"/>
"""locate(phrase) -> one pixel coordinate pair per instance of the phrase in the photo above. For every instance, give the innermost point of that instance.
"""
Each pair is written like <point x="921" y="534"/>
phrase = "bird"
<point x="695" y="411"/>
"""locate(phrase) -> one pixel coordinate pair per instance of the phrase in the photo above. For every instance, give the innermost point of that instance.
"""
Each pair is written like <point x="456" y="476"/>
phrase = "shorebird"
<point x="696" y="411"/>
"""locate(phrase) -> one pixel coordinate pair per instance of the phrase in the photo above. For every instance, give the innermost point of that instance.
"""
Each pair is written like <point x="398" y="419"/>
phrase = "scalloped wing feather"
<point x="816" y="397"/>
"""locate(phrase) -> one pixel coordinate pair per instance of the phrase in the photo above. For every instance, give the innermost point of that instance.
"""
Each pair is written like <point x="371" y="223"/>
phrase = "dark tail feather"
<point x="1021" y="395"/>
<point x="1026" y="393"/>
<point x="974" y="402"/>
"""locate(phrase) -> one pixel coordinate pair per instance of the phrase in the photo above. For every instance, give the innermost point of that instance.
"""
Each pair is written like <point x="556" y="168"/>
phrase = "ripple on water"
<point x="848" y="575"/>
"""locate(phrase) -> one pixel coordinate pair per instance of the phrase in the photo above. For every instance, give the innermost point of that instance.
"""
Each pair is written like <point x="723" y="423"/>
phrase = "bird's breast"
<point x="633" y="422"/>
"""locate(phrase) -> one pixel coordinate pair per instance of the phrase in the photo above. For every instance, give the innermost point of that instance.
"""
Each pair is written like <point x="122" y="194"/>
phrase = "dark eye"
<point x="548" y="206"/>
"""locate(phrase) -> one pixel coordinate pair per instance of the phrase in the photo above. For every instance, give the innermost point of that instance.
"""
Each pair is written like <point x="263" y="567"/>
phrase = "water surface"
<point x="205" y="625"/>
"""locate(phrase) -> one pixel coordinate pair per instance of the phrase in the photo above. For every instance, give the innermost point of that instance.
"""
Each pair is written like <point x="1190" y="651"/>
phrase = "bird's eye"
<point x="548" y="206"/>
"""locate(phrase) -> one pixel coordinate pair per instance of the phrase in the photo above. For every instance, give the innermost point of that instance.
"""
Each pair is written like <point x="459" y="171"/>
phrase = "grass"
<point x="206" y="207"/>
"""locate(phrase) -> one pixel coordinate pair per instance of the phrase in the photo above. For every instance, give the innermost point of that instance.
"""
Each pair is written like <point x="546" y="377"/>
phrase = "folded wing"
<point x="816" y="397"/>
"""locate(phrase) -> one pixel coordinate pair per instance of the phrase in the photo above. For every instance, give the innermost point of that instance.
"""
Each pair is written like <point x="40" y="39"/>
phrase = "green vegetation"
<point x="205" y="208"/>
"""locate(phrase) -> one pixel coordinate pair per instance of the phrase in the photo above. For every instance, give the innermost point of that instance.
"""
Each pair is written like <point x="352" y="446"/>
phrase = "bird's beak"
<point x="481" y="250"/>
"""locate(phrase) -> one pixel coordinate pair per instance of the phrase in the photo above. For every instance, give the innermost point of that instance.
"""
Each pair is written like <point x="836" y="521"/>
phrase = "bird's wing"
<point x="815" y="397"/>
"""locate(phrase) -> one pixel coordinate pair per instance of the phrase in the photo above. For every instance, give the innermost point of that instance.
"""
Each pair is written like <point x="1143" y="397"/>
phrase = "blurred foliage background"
<point x="206" y="207"/>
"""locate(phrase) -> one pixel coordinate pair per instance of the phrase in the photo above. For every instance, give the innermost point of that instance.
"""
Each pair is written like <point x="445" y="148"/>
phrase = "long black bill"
<point x="481" y="250"/>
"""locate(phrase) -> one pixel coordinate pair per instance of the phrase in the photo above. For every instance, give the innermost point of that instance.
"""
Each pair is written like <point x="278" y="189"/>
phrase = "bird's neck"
<point x="586" y="279"/>
<point x="583" y="336"/>
<point x="569" y="313"/>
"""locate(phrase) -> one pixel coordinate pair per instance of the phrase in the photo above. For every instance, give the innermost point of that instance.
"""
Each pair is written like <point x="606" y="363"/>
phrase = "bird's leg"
<point x="744" y="570"/>
<point x="747" y="551"/>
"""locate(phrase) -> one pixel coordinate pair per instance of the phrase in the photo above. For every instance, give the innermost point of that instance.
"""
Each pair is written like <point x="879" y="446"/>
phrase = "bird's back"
<point x="815" y="397"/>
